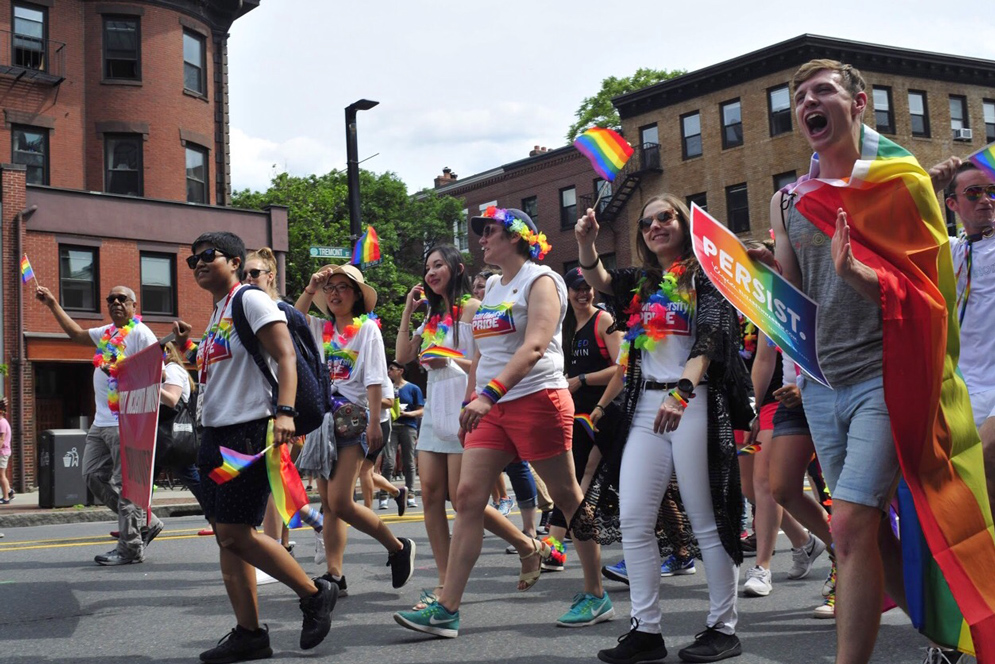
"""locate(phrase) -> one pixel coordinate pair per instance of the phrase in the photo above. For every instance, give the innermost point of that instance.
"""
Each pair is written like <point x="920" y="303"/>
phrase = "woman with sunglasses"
<point x="517" y="405"/>
<point x="354" y="352"/>
<point x="679" y="354"/>
<point x="237" y="411"/>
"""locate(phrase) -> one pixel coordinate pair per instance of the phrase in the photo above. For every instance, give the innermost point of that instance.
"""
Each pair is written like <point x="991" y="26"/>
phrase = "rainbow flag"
<point x="367" y="250"/>
<point x="745" y="450"/>
<point x="27" y="274"/>
<point x="434" y="352"/>
<point x="285" y="483"/>
<point x="897" y="229"/>
<point x="584" y="420"/>
<point x="985" y="159"/>
<point x="606" y="150"/>
<point x="234" y="463"/>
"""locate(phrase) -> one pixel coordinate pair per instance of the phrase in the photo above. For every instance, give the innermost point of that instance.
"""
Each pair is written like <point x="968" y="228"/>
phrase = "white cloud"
<point x="256" y="160"/>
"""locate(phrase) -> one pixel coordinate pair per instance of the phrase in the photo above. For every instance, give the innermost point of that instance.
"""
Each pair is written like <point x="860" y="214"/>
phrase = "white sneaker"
<point x="383" y="503"/>
<point x="319" y="549"/>
<point x="411" y="499"/>
<point x="262" y="578"/>
<point x="758" y="582"/>
<point x="803" y="558"/>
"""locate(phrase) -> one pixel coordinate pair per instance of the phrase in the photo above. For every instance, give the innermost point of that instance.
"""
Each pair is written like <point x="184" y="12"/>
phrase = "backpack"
<point x="313" y="387"/>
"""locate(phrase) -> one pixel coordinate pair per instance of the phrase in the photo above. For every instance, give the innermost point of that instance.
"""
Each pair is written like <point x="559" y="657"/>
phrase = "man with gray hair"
<point x="125" y="336"/>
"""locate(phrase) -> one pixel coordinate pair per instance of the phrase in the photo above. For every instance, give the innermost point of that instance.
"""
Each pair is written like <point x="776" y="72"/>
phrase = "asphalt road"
<point x="56" y="605"/>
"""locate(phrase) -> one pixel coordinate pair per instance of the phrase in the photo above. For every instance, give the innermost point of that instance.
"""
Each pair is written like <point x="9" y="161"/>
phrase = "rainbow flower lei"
<point x="109" y="353"/>
<point x="646" y="336"/>
<point x="538" y="245"/>
<point x="437" y="327"/>
<point x="335" y="343"/>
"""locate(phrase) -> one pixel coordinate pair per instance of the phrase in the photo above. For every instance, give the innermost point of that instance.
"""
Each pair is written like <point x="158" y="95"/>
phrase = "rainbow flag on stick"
<point x="584" y="420"/>
<point x="285" y="483"/>
<point x="27" y="274"/>
<point x="985" y="159"/>
<point x="897" y="229"/>
<point x="367" y="251"/>
<point x="606" y="150"/>
<point x="434" y="352"/>
<point x="234" y="463"/>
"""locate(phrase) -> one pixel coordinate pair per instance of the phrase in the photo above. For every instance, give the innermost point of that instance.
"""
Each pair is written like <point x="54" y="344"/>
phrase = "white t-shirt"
<point x="499" y="330"/>
<point x="977" y="343"/>
<point x="140" y="338"/>
<point x="363" y="363"/>
<point x="177" y="375"/>
<point x="387" y="393"/>
<point x="665" y="363"/>
<point x="236" y="390"/>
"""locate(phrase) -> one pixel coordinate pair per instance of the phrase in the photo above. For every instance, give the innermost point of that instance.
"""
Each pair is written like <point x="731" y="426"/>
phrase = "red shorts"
<point x="534" y="427"/>
<point x="767" y="416"/>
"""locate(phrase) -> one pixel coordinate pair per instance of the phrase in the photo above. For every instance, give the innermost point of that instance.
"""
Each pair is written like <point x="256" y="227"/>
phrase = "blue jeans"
<point x="851" y="430"/>
<point x="522" y="483"/>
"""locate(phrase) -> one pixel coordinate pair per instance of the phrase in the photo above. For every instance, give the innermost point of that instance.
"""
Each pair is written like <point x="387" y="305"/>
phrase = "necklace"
<point x="667" y="310"/>
<point x="338" y="356"/>
<point x="437" y="328"/>
<point x="967" y="241"/>
<point x="110" y="352"/>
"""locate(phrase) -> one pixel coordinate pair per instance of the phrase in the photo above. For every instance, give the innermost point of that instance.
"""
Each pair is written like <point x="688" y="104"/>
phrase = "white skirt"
<point x="428" y="439"/>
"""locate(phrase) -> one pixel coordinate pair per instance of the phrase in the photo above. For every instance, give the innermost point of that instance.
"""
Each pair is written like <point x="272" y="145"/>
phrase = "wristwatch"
<point x="286" y="410"/>
<point x="583" y="379"/>
<point x="686" y="386"/>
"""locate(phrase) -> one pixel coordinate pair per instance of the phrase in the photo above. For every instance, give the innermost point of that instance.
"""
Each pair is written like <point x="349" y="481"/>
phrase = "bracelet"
<point x="286" y="410"/>
<point x="189" y="346"/>
<point x="311" y="292"/>
<point x="678" y="398"/>
<point x="597" y="259"/>
<point x="494" y="390"/>
<point x="598" y="406"/>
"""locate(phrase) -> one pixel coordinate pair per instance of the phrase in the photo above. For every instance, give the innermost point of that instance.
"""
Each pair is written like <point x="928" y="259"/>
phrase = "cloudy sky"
<point x="473" y="84"/>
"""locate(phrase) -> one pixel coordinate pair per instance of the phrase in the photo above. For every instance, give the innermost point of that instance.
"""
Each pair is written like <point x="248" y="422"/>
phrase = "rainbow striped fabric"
<point x="233" y="464"/>
<point x="434" y="352"/>
<point x="367" y="250"/>
<point x="27" y="274"/>
<point x="584" y="420"/>
<point x="285" y="483"/>
<point x="897" y="229"/>
<point x="606" y="150"/>
<point x="985" y="159"/>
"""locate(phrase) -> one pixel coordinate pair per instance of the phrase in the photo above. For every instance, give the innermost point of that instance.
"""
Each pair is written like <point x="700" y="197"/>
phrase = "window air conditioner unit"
<point x="963" y="134"/>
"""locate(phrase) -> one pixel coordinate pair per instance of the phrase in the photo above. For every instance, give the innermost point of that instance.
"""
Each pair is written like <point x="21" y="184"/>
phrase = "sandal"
<point x="542" y="550"/>
<point x="427" y="597"/>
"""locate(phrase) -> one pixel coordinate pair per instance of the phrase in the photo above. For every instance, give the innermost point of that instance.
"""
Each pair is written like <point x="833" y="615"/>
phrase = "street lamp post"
<point x="352" y="163"/>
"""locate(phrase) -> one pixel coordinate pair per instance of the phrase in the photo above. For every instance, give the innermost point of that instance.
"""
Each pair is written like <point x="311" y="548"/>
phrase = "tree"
<point x="598" y="111"/>
<point x="318" y="215"/>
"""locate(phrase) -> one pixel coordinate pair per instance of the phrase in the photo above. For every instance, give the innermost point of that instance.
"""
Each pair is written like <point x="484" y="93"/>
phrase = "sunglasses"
<point x="123" y="299"/>
<point x="338" y="288"/>
<point x="975" y="193"/>
<point x="664" y="217"/>
<point x="255" y="273"/>
<point x="489" y="230"/>
<point x="207" y="256"/>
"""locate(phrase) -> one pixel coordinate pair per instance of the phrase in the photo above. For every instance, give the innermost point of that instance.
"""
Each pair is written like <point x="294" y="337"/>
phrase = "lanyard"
<point x="208" y="344"/>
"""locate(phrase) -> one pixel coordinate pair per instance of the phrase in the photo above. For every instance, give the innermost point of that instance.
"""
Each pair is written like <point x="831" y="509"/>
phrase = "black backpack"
<point x="313" y="387"/>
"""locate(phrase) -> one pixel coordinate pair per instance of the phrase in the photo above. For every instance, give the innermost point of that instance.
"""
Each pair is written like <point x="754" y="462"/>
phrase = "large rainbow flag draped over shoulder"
<point x="897" y="229"/>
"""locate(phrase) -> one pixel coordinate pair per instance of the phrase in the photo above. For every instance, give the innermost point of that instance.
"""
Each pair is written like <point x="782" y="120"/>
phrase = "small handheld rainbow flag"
<point x="27" y="273"/>
<point x="441" y="353"/>
<point x="234" y="463"/>
<point x="607" y="151"/>
<point x="985" y="159"/>
<point x="285" y="482"/>
<point x="753" y="448"/>
<point x="584" y="420"/>
<point x="367" y="251"/>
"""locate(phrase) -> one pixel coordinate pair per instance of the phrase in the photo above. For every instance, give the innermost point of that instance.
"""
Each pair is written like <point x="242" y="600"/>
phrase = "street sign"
<point x="331" y="252"/>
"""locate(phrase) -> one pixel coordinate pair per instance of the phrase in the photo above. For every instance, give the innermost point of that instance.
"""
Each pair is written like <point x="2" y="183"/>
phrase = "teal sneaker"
<point x="587" y="610"/>
<point x="434" y="619"/>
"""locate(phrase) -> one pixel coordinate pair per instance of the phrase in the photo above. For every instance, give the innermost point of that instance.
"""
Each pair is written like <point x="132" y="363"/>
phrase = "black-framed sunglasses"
<point x="975" y="192"/>
<point x="664" y="217"/>
<point x="490" y="229"/>
<point x="208" y="256"/>
<point x="254" y="273"/>
<point x="119" y="297"/>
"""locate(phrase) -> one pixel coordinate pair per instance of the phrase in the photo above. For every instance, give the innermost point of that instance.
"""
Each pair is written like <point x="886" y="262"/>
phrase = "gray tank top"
<point x="849" y="326"/>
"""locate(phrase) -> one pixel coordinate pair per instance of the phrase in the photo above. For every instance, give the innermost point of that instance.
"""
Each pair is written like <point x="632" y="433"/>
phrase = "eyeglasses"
<point x="338" y="288"/>
<point x="975" y="193"/>
<point x="207" y="256"/>
<point x="664" y="217"/>
<point x="120" y="297"/>
<point x="255" y="273"/>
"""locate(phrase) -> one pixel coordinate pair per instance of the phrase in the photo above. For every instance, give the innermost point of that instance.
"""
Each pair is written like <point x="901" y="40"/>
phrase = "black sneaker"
<point x="402" y="495"/>
<point x="317" y="611"/>
<point x="152" y="532"/>
<point x="337" y="581"/>
<point x="115" y="558"/>
<point x="402" y="563"/>
<point x="239" y="645"/>
<point x="634" y="647"/>
<point x="749" y="544"/>
<point x="711" y="646"/>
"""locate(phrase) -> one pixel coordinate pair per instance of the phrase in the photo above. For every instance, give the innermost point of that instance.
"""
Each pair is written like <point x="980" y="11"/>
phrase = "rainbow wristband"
<point x="190" y="345"/>
<point x="679" y="399"/>
<point x="494" y="391"/>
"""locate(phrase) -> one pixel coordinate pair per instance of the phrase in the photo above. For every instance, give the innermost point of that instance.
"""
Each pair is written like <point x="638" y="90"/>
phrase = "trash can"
<point x="60" y="472"/>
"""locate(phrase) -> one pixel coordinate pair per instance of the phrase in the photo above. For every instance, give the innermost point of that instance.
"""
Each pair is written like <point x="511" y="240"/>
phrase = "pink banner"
<point x="139" y="379"/>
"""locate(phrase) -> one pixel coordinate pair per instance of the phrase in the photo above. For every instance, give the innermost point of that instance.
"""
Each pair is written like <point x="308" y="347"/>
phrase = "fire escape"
<point x="645" y="160"/>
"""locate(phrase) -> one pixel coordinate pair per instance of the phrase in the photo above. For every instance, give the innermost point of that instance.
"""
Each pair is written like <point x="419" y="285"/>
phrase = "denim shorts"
<point x="790" y="421"/>
<point x="851" y="430"/>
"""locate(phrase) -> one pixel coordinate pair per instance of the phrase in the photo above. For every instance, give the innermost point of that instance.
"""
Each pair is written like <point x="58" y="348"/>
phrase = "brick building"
<point x="116" y="123"/>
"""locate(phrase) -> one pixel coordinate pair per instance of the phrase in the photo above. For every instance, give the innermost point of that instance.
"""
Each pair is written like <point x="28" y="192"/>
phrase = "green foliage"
<point x="598" y="111"/>
<point x="318" y="215"/>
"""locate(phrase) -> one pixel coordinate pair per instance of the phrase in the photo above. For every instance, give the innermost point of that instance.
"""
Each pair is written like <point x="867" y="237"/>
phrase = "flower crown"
<point x="538" y="246"/>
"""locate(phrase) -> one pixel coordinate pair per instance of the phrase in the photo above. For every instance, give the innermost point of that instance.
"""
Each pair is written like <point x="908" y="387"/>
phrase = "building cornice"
<point x="511" y="170"/>
<point x="217" y="14"/>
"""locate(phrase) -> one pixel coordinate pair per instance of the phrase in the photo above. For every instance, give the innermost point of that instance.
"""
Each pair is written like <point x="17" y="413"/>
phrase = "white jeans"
<point x="648" y="462"/>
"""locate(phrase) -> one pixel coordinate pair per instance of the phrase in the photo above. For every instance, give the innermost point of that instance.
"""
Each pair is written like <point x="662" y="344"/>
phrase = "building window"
<point x="461" y="238"/>
<point x="919" y="113"/>
<point x="691" y="135"/>
<point x="197" y="175"/>
<point x="649" y="135"/>
<point x="158" y="279"/>
<point x="732" y="123"/>
<point x="602" y="190"/>
<point x="78" y="272"/>
<point x="782" y="180"/>
<point x="884" y="118"/>
<point x="123" y="164"/>
<point x="530" y="206"/>
<point x="649" y="155"/>
<point x="701" y="200"/>
<point x="194" y="63"/>
<point x="988" y="106"/>
<point x="122" y="48"/>
<point x="29" y="36"/>
<point x="29" y="146"/>
<point x="779" y="108"/>
<point x="958" y="118"/>
<point x="738" y="208"/>
<point x="568" y="207"/>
